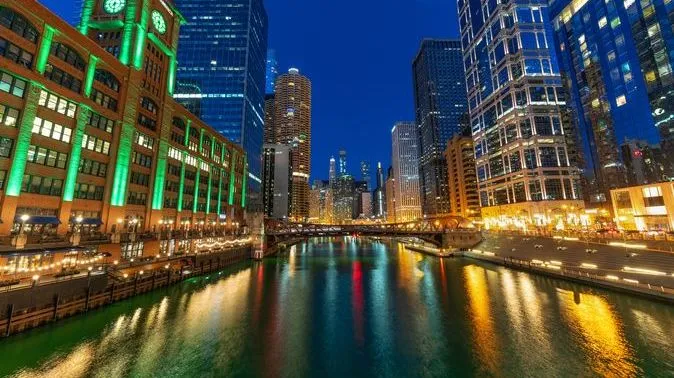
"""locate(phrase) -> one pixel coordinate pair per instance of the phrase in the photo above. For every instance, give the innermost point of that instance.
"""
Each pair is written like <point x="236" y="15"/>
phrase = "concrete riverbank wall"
<point x="28" y="308"/>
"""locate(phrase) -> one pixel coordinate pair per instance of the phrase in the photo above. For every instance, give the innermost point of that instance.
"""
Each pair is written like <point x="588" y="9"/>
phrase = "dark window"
<point x="6" y="145"/>
<point x="68" y="55"/>
<point x="63" y="78"/>
<point x="15" y="53"/>
<point x="106" y="78"/>
<point x="18" y="24"/>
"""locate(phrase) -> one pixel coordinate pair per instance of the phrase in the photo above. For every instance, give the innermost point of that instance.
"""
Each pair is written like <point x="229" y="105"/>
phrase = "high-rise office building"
<point x="342" y="163"/>
<point x="271" y="72"/>
<point x="515" y="99"/>
<point x="269" y="123"/>
<point x="277" y="169"/>
<point x="292" y="126"/>
<point x="643" y="161"/>
<point x="440" y="102"/>
<point x="599" y="57"/>
<point x="343" y="199"/>
<point x="359" y="187"/>
<point x="391" y="216"/>
<point x="462" y="184"/>
<point x="606" y="60"/>
<point x="333" y="172"/>
<point x="379" y="195"/>
<point x="405" y="159"/>
<point x="365" y="174"/>
<point x="230" y="72"/>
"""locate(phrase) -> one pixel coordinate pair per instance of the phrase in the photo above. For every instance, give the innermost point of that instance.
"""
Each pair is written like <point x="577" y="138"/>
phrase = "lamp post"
<point x="77" y="228"/>
<point x="19" y="241"/>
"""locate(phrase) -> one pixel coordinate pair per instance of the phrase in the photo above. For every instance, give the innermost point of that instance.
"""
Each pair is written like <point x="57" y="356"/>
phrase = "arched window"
<point x="68" y="55"/>
<point x="108" y="79"/>
<point x="18" y="24"/>
<point x="179" y="123"/>
<point x="148" y="105"/>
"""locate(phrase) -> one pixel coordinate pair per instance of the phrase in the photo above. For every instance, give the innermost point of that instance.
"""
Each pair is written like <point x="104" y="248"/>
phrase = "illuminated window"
<point x="602" y="22"/>
<point x="621" y="100"/>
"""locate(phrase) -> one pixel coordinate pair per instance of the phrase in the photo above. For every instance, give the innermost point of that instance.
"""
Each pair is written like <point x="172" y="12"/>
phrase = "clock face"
<point x="158" y="22"/>
<point x="114" y="6"/>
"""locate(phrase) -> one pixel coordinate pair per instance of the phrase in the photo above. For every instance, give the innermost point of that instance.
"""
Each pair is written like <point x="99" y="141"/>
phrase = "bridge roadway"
<point x="620" y="260"/>
<point x="443" y="234"/>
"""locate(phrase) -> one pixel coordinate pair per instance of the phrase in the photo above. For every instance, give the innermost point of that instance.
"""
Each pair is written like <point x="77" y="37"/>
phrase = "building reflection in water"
<point x="594" y="321"/>
<point x="485" y="341"/>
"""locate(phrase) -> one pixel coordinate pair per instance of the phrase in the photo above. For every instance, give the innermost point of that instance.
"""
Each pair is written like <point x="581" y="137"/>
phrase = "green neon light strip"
<point x="196" y="187"/>
<point x="141" y="32"/>
<point x="187" y="132"/>
<point x="87" y="10"/>
<point x="18" y="167"/>
<point x="219" y="207"/>
<point x="91" y="71"/>
<point x="170" y="84"/>
<point x="182" y="183"/>
<point x="244" y="183"/>
<point x="232" y="177"/>
<point x="127" y="31"/>
<point x="120" y="180"/>
<point x="45" y="47"/>
<point x="208" y="192"/>
<point x="213" y="142"/>
<point x="160" y="176"/>
<point x="106" y="25"/>
<point x="75" y="153"/>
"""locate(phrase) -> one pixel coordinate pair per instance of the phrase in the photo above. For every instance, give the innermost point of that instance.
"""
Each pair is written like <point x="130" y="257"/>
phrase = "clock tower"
<point x="126" y="27"/>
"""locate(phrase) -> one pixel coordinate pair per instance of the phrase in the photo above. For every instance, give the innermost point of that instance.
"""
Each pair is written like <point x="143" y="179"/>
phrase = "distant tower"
<point x="379" y="194"/>
<point x="272" y="72"/>
<point x="269" y="131"/>
<point x="292" y="126"/>
<point x="333" y="171"/>
<point x="406" y="169"/>
<point x="342" y="163"/>
<point x="365" y="174"/>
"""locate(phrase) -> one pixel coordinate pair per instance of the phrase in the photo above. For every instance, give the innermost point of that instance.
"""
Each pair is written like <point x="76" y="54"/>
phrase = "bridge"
<point x="445" y="233"/>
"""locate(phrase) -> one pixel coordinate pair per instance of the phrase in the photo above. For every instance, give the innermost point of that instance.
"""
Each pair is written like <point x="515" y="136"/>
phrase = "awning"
<point x="94" y="221"/>
<point x="38" y="219"/>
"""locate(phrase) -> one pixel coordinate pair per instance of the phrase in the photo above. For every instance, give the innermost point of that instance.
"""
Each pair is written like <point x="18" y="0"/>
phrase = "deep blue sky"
<point x="358" y="55"/>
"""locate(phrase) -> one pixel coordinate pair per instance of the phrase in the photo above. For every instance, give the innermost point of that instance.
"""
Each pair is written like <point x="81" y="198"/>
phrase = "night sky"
<point x="358" y="55"/>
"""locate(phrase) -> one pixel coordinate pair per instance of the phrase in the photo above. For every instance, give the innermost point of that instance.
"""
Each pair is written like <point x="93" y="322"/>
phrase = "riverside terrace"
<point x="631" y="263"/>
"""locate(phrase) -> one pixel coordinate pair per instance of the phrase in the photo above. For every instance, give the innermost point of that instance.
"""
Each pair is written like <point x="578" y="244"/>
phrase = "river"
<point x="351" y="307"/>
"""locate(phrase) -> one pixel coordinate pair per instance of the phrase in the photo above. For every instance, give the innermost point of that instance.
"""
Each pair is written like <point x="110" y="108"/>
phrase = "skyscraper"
<point x="269" y="112"/>
<point x="440" y="101"/>
<point x="405" y="158"/>
<point x="277" y="181"/>
<point x="515" y="99"/>
<point x="333" y="171"/>
<point x="463" y="194"/>
<point x="292" y="126"/>
<point x="271" y="72"/>
<point x="379" y="197"/>
<point x="230" y="72"/>
<point x="606" y="54"/>
<point x="342" y="163"/>
<point x="365" y="174"/>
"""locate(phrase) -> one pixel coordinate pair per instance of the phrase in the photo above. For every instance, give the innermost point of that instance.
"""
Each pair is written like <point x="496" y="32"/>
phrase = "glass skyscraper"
<point x="611" y="60"/>
<point x="516" y="102"/>
<point x="440" y="103"/>
<point x="223" y="51"/>
<point x="271" y="72"/>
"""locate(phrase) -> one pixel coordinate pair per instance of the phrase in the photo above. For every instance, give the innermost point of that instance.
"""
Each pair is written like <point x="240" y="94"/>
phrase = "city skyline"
<point x="323" y="55"/>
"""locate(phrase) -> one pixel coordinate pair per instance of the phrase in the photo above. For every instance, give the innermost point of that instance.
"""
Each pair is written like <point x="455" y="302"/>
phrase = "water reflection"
<point x="601" y="333"/>
<point x="484" y="338"/>
<point x="352" y="308"/>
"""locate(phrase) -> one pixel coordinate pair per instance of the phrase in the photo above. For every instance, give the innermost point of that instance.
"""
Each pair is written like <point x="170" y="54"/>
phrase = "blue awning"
<point x="38" y="219"/>
<point x="93" y="221"/>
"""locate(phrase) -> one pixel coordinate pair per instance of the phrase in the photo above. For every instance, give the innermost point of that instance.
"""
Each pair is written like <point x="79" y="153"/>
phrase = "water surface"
<point x="353" y="308"/>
